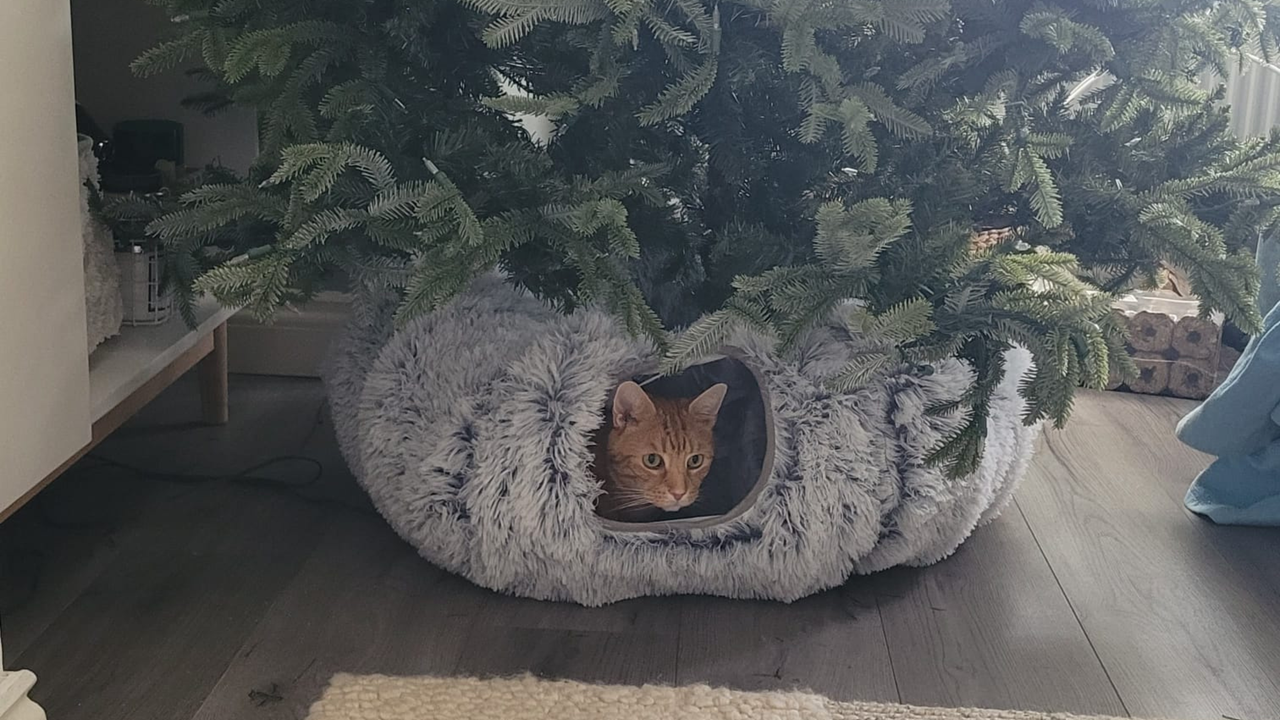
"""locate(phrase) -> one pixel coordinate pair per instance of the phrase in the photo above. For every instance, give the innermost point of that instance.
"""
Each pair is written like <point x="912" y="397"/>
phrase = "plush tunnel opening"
<point x="743" y="437"/>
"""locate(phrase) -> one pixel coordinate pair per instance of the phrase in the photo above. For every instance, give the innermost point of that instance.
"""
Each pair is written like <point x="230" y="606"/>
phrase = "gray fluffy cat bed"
<point x="472" y="429"/>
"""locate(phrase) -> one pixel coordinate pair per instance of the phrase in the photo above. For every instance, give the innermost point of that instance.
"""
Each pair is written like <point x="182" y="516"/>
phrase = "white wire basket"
<point x="141" y="275"/>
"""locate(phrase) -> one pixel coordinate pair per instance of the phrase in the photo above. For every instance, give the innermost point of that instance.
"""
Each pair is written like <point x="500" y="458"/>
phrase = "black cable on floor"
<point x="248" y="478"/>
<point x="20" y="561"/>
<point x="243" y="476"/>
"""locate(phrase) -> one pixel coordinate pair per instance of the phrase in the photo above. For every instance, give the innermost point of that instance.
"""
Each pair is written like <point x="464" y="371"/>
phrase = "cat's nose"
<point x="677" y="494"/>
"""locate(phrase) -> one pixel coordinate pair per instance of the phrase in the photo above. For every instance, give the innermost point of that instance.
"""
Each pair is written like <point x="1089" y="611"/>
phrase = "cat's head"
<point x="660" y="449"/>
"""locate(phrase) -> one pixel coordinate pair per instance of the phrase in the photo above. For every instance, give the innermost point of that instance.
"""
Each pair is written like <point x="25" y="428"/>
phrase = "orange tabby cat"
<point x="657" y="451"/>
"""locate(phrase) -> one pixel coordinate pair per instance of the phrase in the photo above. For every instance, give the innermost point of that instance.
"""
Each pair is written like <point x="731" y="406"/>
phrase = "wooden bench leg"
<point x="213" y="379"/>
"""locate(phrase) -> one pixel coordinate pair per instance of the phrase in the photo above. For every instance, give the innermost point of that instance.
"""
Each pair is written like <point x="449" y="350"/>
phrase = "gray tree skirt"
<point x="472" y="430"/>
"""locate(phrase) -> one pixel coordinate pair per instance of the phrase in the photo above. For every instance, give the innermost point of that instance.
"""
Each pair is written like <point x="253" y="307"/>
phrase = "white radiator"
<point x="1253" y="92"/>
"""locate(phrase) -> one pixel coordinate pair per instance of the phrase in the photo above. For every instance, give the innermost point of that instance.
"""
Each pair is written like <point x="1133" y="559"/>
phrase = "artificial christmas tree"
<point x="778" y="165"/>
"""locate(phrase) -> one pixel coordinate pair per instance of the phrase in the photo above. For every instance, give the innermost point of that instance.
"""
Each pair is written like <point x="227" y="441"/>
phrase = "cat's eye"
<point x="695" y="461"/>
<point x="653" y="461"/>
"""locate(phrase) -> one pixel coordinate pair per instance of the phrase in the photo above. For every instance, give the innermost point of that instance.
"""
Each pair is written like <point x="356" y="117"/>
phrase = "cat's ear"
<point x="707" y="405"/>
<point x="631" y="404"/>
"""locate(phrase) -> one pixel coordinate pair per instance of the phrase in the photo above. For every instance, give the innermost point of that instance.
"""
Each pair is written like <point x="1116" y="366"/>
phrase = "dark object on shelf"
<point x="118" y="182"/>
<point x="140" y="143"/>
<point x="86" y="125"/>
<point x="137" y="145"/>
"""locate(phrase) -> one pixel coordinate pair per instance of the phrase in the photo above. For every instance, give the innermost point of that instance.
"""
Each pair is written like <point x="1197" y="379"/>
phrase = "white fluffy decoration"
<point x="104" y="310"/>
<point x="471" y="428"/>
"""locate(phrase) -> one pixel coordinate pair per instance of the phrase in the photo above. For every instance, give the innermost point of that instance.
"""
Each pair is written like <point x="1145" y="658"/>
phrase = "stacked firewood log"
<point x="1176" y="354"/>
<point x="988" y="238"/>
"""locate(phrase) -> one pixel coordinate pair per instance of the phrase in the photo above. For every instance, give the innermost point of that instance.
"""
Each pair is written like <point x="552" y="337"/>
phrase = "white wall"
<point x="109" y="34"/>
<point x="44" y="364"/>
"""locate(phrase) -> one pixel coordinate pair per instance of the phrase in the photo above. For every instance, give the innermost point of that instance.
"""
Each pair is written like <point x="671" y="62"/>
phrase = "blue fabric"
<point x="1240" y="424"/>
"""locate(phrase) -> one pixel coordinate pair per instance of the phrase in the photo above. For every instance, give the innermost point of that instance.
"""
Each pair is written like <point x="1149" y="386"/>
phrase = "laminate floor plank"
<point x="62" y="540"/>
<point x="150" y="636"/>
<point x="59" y="543"/>
<point x="363" y="603"/>
<point x="832" y="643"/>
<point x="990" y="627"/>
<point x="631" y="642"/>
<point x="269" y="417"/>
<point x="1176" y="467"/>
<point x="1183" y="623"/>
<point x="146" y="580"/>
<point x="626" y="658"/>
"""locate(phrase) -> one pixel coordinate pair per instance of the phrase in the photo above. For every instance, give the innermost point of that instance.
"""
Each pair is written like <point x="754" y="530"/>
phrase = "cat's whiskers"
<point x="631" y="501"/>
<point x="633" y="506"/>
<point x="626" y="492"/>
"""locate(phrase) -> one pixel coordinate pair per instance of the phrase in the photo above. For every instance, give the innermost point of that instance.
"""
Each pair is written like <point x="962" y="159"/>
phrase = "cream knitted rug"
<point x="377" y="697"/>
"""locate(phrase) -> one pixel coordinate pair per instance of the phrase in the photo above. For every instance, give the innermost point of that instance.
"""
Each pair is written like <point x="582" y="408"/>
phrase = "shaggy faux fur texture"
<point x="377" y="697"/>
<point x="471" y="428"/>
<point x="104" y="310"/>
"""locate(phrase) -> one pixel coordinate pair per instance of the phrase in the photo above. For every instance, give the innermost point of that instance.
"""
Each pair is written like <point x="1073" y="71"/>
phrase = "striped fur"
<point x="676" y="430"/>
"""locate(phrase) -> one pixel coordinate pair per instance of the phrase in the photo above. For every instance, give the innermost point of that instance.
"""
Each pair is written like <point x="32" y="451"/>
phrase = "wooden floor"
<point x="1096" y="593"/>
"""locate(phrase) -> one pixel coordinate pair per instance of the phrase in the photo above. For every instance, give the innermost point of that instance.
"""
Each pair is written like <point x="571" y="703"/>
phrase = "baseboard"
<point x="293" y="344"/>
<point x="14" y="703"/>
